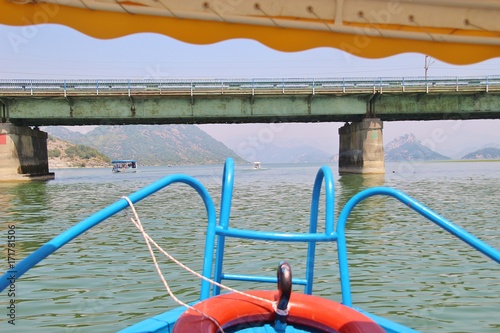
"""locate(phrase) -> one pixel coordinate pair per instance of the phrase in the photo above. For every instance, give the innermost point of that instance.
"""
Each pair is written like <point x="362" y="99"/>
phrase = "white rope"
<point x="149" y="241"/>
<point x="138" y="224"/>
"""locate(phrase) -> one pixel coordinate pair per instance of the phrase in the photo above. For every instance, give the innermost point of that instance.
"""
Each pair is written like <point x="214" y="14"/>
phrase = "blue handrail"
<point x="223" y="230"/>
<point x="225" y="213"/>
<point x="62" y="239"/>
<point x="416" y="206"/>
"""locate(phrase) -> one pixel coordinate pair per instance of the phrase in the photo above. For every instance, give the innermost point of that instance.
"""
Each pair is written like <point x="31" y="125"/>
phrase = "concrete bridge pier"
<point x="361" y="147"/>
<point x="23" y="154"/>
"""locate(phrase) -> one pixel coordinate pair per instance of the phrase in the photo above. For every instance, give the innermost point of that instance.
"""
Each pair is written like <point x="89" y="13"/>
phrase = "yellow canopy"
<point x="454" y="31"/>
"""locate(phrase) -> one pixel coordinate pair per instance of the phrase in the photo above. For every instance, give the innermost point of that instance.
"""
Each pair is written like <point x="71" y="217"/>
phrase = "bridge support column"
<point x="361" y="147"/>
<point x="23" y="154"/>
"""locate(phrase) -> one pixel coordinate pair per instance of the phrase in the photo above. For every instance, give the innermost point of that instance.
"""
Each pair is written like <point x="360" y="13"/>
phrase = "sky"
<point x="57" y="52"/>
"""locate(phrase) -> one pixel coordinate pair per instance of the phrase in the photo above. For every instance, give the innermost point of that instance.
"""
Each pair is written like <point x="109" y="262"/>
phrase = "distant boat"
<point x="124" y="166"/>
<point x="256" y="165"/>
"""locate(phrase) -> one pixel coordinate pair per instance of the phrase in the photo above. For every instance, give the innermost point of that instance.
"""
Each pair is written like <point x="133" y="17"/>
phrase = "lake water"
<point x="402" y="267"/>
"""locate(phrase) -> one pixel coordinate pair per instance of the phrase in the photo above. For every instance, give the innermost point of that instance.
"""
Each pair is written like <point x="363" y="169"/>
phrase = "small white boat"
<point x="257" y="166"/>
<point x="124" y="166"/>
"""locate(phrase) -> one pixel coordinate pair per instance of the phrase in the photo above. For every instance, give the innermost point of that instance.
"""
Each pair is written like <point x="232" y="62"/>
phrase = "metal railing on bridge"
<point x="266" y="86"/>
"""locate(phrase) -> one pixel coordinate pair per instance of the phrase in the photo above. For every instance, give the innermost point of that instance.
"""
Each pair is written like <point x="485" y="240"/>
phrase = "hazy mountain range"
<point x="294" y="154"/>
<point x="407" y="147"/>
<point x="151" y="144"/>
<point x="187" y="144"/>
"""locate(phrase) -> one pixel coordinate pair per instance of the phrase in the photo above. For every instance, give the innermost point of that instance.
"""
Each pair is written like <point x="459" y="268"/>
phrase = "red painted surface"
<point x="3" y="139"/>
<point x="231" y="310"/>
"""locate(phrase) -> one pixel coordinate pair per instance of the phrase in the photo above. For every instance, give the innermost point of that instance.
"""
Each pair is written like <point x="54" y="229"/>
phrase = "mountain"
<point x="63" y="154"/>
<point x="473" y="148"/>
<point x="151" y="144"/>
<point x="64" y="134"/>
<point x="408" y="148"/>
<point x="483" y="154"/>
<point x="270" y="153"/>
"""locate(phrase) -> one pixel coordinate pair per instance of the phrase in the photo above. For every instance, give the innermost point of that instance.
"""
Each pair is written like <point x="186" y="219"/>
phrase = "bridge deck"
<point x="176" y="87"/>
<point x="87" y="102"/>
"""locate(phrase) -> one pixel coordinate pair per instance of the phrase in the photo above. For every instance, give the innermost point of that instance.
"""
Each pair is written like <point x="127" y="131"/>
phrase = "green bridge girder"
<point x="42" y="103"/>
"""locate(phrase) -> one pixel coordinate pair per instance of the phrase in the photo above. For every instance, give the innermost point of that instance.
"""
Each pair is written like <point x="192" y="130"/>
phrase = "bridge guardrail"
<point x="20" y="87"/>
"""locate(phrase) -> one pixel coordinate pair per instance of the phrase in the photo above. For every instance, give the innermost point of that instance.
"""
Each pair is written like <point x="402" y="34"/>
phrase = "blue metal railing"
<point x="416" y="206"/>
<point x="221" y="230"/>
<point x="67" y="236"/>
<point x="251" y="86"/>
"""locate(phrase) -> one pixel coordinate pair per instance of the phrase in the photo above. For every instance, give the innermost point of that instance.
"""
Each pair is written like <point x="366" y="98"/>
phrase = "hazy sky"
<point x="56" y="52"/>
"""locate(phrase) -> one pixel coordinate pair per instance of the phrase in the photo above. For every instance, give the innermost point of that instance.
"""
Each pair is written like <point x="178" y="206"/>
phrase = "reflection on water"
<point x="26" y="203"/>
<point x="401" y="267"/>
<point x="355" y="183"/>
<point x="351" y="184"/>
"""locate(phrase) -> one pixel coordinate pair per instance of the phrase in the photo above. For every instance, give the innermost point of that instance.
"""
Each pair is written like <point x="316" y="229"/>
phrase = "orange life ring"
<point x="232" y="309"/>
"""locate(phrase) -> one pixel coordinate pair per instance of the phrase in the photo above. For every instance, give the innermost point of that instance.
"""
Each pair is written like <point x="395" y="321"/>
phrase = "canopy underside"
<point x="455" y="31"/>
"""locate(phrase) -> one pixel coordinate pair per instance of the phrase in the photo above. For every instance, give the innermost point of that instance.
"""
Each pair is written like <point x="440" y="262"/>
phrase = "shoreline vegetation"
<point x="63" y="154"/>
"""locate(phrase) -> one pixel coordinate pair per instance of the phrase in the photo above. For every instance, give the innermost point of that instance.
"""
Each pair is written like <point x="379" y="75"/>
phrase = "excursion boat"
<point x="257" y="165"/>
<point x="124" y="166"/>
<point x="261" y="310"/>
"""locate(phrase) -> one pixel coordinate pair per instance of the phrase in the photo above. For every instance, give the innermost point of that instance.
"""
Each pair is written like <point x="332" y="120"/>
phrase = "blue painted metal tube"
<point x="78" y="229"/>
<point x="225" y="213"/>
<point x="416" y="206"/>
<point x="227" y="193"/>
<point x="223" y="230"/>
<point x="255" y="278"/>
<point x="324" y="173"/>
<point x="276" y="236"/>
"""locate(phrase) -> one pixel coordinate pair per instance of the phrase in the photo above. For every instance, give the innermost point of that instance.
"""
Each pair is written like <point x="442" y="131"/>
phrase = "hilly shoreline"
<point x="154" y="145"/>
<point x="150" y="145"/>
<point x="64" y="154"/>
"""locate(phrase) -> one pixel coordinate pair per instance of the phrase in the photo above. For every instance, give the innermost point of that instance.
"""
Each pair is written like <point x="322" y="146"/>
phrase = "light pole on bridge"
<point x="428" y="62"/>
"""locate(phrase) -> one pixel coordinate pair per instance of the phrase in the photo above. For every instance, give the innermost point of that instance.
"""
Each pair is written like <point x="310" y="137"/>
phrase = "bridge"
<point x="362" y="103"/>
<point x="95" y="102"/>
